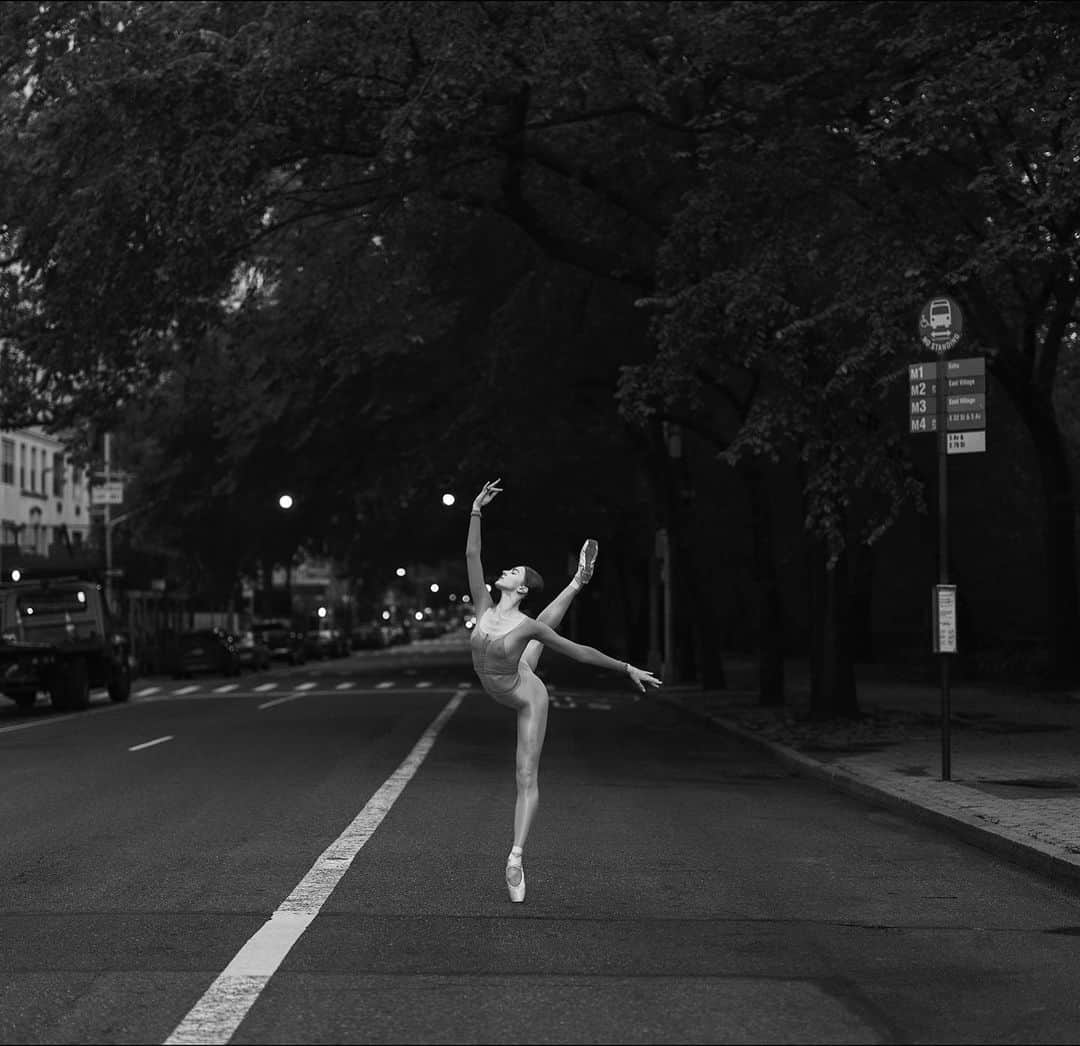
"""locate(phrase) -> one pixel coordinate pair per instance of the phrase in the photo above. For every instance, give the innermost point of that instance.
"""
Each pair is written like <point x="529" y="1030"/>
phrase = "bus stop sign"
<point x="941" y="324"/>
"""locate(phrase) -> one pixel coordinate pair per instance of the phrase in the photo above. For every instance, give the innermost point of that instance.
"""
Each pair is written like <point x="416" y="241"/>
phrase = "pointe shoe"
<point x="515" y="880"/>
<point x="587" y="561"/>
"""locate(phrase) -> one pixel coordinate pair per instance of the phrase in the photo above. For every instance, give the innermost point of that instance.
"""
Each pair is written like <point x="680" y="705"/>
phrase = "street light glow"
<point x="465" y="599"/>
<point x="400" y="571"/>
<point x="285" y="501"/>
<point x="448" y="499"/>
<point x="434" y="587"/>
<point x="322" y="611"/>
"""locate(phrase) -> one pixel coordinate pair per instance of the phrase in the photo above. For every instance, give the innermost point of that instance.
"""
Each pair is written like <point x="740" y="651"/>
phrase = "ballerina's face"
<point x="510" y="580"/>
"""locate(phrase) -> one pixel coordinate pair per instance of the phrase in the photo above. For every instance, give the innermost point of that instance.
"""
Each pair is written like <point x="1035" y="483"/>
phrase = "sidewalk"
<point x="1015" y="756"/>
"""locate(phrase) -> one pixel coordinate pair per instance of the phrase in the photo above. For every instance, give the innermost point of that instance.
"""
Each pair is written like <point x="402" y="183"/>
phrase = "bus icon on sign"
<point x="940" y="317"/>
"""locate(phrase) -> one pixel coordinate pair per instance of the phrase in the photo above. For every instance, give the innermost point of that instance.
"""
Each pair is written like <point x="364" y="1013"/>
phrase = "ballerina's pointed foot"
<point x="587" y="561"/>
<point x="515" y="879"/>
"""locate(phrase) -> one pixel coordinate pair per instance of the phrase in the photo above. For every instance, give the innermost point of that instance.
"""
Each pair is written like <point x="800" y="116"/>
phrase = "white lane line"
<point x="282" y="700"/>
<point x="186" y="690"/>
<point x="305" y="686"/>
<point x="220" y="1011"/>
<point x="150" y="744"/>
<point x="147" y="691"/>
<point x="262" y="687"/>
<point x="345" y="686"/>
<point x="423" y="683"/>
<point x="226" y="688"/>
<point x="383" y="686"/>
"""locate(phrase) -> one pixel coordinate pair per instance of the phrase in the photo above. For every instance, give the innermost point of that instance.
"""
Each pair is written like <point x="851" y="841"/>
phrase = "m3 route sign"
<point x="963" y="383"/>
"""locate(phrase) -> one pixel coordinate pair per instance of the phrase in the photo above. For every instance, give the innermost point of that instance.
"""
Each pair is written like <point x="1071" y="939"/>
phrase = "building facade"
<point x="44" y="498"/>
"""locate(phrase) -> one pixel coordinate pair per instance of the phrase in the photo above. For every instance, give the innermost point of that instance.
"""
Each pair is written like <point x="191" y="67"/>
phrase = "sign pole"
<point x="943" y="560"/>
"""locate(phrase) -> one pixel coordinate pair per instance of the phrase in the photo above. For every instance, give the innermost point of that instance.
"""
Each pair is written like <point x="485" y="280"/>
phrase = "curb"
<point x="1029" y="855"/>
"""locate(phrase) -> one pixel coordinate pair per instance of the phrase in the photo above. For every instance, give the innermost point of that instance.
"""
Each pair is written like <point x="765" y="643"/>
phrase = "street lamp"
<point x="400" y="571"/>
<point x="448" y="500"/>
<point x="434" y="587"/>
<point x="285" y="501"/>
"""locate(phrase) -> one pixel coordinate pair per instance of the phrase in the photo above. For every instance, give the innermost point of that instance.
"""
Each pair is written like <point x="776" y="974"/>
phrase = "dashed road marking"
<point x="383" y="686"/>
<point x="263" y="687"/>
<point x="423" y="683"/>
<point x="150" y="744"/>
<point x="226" y="688"/>
<point x="281" y="700"/>
<point x="186" y="690"/>
<point x="305" y="686"/>
<point x="147" y="691"/>
<point x="345" y="686"/>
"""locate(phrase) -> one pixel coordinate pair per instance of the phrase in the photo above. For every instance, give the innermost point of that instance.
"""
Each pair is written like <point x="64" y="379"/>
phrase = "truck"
<point x="57" y="636"/>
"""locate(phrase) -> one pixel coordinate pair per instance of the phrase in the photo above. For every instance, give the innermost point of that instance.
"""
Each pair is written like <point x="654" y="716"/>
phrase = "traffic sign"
<point x="966" y="442"/>
<point x="965" y="395"/>
<point x="107" y="494"/>
<point x="941" y="324"/>
<point x="944" y="619"/>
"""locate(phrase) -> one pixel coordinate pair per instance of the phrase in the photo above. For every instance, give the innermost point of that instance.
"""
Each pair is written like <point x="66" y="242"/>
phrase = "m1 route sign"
<point x="965" y="400"/>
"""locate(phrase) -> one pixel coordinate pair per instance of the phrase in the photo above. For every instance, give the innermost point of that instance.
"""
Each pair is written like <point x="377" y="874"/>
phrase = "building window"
<point x="76" y="538"/>
<point x="8" y="475"/>
<point x="58" y="474"/>
<point x="33" y="468"/>
<point x="76" y="479"/>
<point x="22" y="466"/>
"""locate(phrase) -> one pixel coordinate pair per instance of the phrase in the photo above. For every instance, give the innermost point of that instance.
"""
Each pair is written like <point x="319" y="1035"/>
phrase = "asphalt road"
<point x="681" y="887"/>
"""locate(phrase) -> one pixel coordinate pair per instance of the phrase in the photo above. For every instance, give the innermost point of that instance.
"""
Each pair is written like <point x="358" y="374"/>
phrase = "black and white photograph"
<point x="539" y="521"/>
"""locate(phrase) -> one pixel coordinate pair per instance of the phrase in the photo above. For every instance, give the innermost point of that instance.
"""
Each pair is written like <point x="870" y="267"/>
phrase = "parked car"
<point x="327" y="642"/>
<point x="56" y="634"/>
<point x="283" y="641"/>
<point x="372" y="635"/>
<point x="252" y="651"/>
<point x="207" y="650"/>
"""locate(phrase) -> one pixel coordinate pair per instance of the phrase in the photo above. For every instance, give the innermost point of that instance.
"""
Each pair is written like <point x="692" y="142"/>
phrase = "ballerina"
<point x="506" y="647"/>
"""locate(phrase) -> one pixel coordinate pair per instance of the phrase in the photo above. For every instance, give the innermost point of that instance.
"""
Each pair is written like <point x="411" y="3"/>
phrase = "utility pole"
<point x="108" y="525"/>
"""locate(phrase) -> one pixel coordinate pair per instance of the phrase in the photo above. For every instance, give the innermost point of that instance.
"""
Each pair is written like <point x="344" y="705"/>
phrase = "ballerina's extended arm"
<point x="481" y="598"/>
<point x="586" y="654"/>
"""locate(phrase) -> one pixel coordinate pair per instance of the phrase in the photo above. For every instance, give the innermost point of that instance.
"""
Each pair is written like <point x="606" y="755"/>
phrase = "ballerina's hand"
<point x="487" y="494"/>
<point x="640" y="677"/>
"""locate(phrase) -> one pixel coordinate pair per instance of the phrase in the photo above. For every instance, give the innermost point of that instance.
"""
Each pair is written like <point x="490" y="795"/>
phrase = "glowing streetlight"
<point x="400" y="571"/>
<point x="465" y="599"/>
<point x="434" y="587"/>
<point x="285" y="501"/>
<point x="418" y="616"/>
<point x="322" y="611"/>
<point x="448" y="499"/>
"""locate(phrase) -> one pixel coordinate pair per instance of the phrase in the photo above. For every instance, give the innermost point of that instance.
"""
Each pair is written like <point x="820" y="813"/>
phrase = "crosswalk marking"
<point x="262" y="687"/>
<point x="147" y="691"/>
<point x="304" y="686"/>
<point x="423" y="683"/>
<point x="225" y="689"/>
<point x="383" y="686"/>
<point x="344" y="686"/>
<point x="186" y="690"/>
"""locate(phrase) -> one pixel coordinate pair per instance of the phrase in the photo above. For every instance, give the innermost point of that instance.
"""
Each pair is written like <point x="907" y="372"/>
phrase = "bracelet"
<point x="475" y="512"/>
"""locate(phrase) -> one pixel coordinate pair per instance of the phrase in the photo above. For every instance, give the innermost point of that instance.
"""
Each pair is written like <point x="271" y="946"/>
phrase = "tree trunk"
<point x="770" y="609"/>
<point x="832" y="667"/>
<point x="1059" y="531"/>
